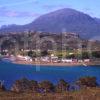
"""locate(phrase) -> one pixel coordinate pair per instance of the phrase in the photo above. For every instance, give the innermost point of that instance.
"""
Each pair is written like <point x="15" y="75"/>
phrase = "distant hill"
<point x="65" y="19"/>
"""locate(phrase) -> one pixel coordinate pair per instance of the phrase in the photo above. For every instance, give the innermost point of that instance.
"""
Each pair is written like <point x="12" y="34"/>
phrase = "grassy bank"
<point x="87" y="94"/>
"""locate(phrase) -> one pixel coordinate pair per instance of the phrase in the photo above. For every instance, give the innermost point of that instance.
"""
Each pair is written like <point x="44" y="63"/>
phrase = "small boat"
<point x="84" y="64"/>
<point x="5" y="60"/>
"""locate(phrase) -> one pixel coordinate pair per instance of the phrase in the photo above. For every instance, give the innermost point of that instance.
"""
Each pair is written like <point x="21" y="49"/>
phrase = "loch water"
<point x="10" y="72"/>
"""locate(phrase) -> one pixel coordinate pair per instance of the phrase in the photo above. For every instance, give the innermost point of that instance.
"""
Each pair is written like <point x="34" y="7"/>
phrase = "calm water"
<point x="10" y="72"/>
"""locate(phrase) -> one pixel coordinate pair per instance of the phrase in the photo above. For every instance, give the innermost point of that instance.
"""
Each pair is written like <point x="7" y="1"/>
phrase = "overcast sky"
<point x="25" y="11"/>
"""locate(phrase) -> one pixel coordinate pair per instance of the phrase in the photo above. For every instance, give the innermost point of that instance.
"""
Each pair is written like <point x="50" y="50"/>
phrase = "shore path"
<point x="52" y="64"/>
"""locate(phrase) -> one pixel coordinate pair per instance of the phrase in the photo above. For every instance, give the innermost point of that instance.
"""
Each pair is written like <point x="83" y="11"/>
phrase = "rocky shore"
<point x="55" y="64"/>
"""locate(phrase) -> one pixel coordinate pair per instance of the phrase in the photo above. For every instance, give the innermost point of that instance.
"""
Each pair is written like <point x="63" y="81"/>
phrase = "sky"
<point x="25" y="11"/>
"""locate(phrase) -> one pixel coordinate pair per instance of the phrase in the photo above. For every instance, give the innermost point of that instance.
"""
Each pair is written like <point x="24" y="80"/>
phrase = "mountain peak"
<point x="67" y="10"/>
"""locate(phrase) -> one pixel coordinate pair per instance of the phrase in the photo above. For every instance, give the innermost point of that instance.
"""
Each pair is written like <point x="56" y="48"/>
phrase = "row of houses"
<point x="51" y="58"/>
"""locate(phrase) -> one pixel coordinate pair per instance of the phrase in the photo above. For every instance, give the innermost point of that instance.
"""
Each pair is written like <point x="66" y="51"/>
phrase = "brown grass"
<point x="89" y="94"/>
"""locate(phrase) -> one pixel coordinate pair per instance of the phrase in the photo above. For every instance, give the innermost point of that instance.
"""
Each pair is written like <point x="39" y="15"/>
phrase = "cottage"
<point x="54" y="58"/>
<point x="45" y="59"/>
<point x="24" y="58"/>
<point x="86" y="60"/>
<point x="67" y="60"/>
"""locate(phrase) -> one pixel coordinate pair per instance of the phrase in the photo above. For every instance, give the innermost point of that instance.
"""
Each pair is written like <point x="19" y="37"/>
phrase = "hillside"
<point x="68" y="41"/>
<point x="94" y="94"/>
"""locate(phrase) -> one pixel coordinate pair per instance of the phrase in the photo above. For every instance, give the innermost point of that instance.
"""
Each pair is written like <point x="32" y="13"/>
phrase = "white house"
<point x="24" y="58"/>
<point x="67" y="60"/>
<point x="86" y="60"/>
<point x="45" y="59"/>
<point x="54" y="58"/>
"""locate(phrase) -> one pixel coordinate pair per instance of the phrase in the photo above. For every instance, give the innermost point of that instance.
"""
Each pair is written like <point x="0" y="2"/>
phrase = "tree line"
<point x="25" y="85"/>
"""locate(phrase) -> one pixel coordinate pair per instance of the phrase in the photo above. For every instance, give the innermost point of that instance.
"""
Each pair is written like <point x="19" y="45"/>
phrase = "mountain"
<point x="66" y="19"/>
<point x="97" y="20"/>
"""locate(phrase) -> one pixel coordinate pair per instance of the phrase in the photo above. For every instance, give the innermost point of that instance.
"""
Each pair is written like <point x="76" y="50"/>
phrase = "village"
<point x="45" y="59"/>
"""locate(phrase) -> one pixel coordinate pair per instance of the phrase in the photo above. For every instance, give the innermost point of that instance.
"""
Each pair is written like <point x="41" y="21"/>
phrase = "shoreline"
<point x="54" y="64"/>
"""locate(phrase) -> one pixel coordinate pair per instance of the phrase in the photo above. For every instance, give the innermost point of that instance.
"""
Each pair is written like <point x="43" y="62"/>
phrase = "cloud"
<point x="21" y="14"/>
<point x="19" y="3"/>
<point x="89" y="11"/>
<point x="4" y="12"/>
<point x="50" y="7"/>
